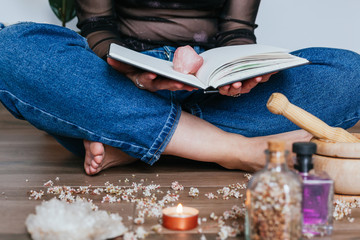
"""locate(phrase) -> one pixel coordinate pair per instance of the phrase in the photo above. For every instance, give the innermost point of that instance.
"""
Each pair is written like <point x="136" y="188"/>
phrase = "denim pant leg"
<point x="328" y="88"/>
<point x="50" y="77"/>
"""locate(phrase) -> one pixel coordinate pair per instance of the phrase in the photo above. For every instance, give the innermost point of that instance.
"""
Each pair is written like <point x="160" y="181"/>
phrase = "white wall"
<point x="303" y="23"/>
<point x="12" y="11"/>
<point x="291" y="24"/>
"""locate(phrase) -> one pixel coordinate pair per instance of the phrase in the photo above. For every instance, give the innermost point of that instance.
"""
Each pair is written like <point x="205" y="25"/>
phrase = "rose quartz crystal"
<point x="186" y="60"/>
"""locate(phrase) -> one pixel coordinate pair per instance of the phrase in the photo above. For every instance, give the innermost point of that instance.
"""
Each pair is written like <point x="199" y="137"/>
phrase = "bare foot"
<point x="99" y="157"/>
<point x="251" y="156"/>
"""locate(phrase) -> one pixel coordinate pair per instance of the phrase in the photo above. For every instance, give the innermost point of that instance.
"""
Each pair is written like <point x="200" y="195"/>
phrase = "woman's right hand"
<point x="148" y="80"/>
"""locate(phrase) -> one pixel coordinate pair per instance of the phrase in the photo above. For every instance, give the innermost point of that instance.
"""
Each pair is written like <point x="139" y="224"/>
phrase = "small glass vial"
<point x="273" y="199"/>
<point x="318" y="192"/>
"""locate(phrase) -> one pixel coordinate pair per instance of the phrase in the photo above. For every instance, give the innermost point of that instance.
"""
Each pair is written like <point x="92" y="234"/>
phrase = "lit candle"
<point x="180" y="218"/>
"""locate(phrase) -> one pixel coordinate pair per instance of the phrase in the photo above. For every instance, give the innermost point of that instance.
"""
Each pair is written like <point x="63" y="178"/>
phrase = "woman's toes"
<point x="98" y="159"/>
<point x="94" y="164"/>
<point x="97" y="148"/>
<point x="87" y="169"/>
<point x="92" y="170"/>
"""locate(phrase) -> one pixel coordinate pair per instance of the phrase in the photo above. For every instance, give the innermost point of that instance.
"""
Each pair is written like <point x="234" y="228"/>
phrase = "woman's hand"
<point x="238" y="88"/>
<point x="148" y="80"/>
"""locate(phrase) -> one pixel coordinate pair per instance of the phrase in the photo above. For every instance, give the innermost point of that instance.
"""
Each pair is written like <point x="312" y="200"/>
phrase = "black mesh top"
<point x="144" y="24"/>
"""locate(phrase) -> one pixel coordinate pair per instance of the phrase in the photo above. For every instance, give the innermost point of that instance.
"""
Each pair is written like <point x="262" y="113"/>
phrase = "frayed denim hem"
<point x="165" y="135"/>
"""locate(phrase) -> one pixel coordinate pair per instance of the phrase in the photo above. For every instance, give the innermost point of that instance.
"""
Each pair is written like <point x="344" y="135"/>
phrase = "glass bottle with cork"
<point x="318" y="192"/>
<point x="273" y="199"/>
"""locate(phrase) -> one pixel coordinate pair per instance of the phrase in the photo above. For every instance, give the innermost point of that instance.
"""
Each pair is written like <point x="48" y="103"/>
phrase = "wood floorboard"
<point x="29" y="158"/>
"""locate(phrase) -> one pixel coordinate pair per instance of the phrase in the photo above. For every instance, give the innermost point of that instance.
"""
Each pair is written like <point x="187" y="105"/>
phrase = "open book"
<point x="222" y="66"/>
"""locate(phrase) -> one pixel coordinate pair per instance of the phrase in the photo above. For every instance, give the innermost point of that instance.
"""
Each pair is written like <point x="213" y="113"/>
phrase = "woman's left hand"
<point x="152" y="82"/>
<point x="238" y="88"/>
<point x="147" y="80"/>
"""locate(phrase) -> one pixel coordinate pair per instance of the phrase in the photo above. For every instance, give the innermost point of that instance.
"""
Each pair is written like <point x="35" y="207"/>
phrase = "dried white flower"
<point x="248" y="176"/>
<point x="211" y="196"/>
<point x="227" y="231"/>
<point x="176" y="186"/>
<point x="141" y="233"/>
<point x="194" y="192"/>
<point x="36" y="195"/>
<point x="130" y="236"/>
<point x="139" y="220"/>
<point x="342" y="209"/>
<point x="156" y="228"/>
<point x="213" y="216"/>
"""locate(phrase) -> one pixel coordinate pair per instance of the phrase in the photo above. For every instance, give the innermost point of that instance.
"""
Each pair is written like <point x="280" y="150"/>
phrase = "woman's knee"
<point x="30" y="37"/>
<point x="15" y="34"/>
<point x="330" y="56"/>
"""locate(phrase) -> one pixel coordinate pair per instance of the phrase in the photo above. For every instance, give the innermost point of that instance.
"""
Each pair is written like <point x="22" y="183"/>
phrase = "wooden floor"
<point x="29" y="158"/>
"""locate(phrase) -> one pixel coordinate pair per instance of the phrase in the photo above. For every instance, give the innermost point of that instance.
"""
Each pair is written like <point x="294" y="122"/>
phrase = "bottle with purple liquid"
<point x="318" y="193"/>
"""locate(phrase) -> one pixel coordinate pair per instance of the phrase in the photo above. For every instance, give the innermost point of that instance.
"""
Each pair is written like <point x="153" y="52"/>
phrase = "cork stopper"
<point x="277" y="151"/>
<point x="276" y="146"/>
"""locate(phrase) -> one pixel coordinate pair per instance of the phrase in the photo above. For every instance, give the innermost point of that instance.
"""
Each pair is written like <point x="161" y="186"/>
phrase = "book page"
<point x="253" y="70"/>
<point x="148" y="63"/>
<point x="216" y="57"/>
<point x="246" y="63"/>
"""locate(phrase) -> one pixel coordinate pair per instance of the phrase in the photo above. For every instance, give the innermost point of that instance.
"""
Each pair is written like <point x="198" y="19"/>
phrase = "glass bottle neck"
<point x="276" y="161"/>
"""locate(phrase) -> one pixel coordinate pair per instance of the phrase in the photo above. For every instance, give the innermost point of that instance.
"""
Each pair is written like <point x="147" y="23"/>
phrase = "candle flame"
<point x="179" y="209"/>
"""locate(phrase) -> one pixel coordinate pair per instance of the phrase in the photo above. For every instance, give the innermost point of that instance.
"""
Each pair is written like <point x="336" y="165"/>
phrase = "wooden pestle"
<point x="279" y="104"/>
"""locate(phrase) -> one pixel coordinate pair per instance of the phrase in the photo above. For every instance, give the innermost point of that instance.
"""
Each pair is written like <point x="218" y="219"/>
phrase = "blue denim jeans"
<point x="50" y="77"/>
